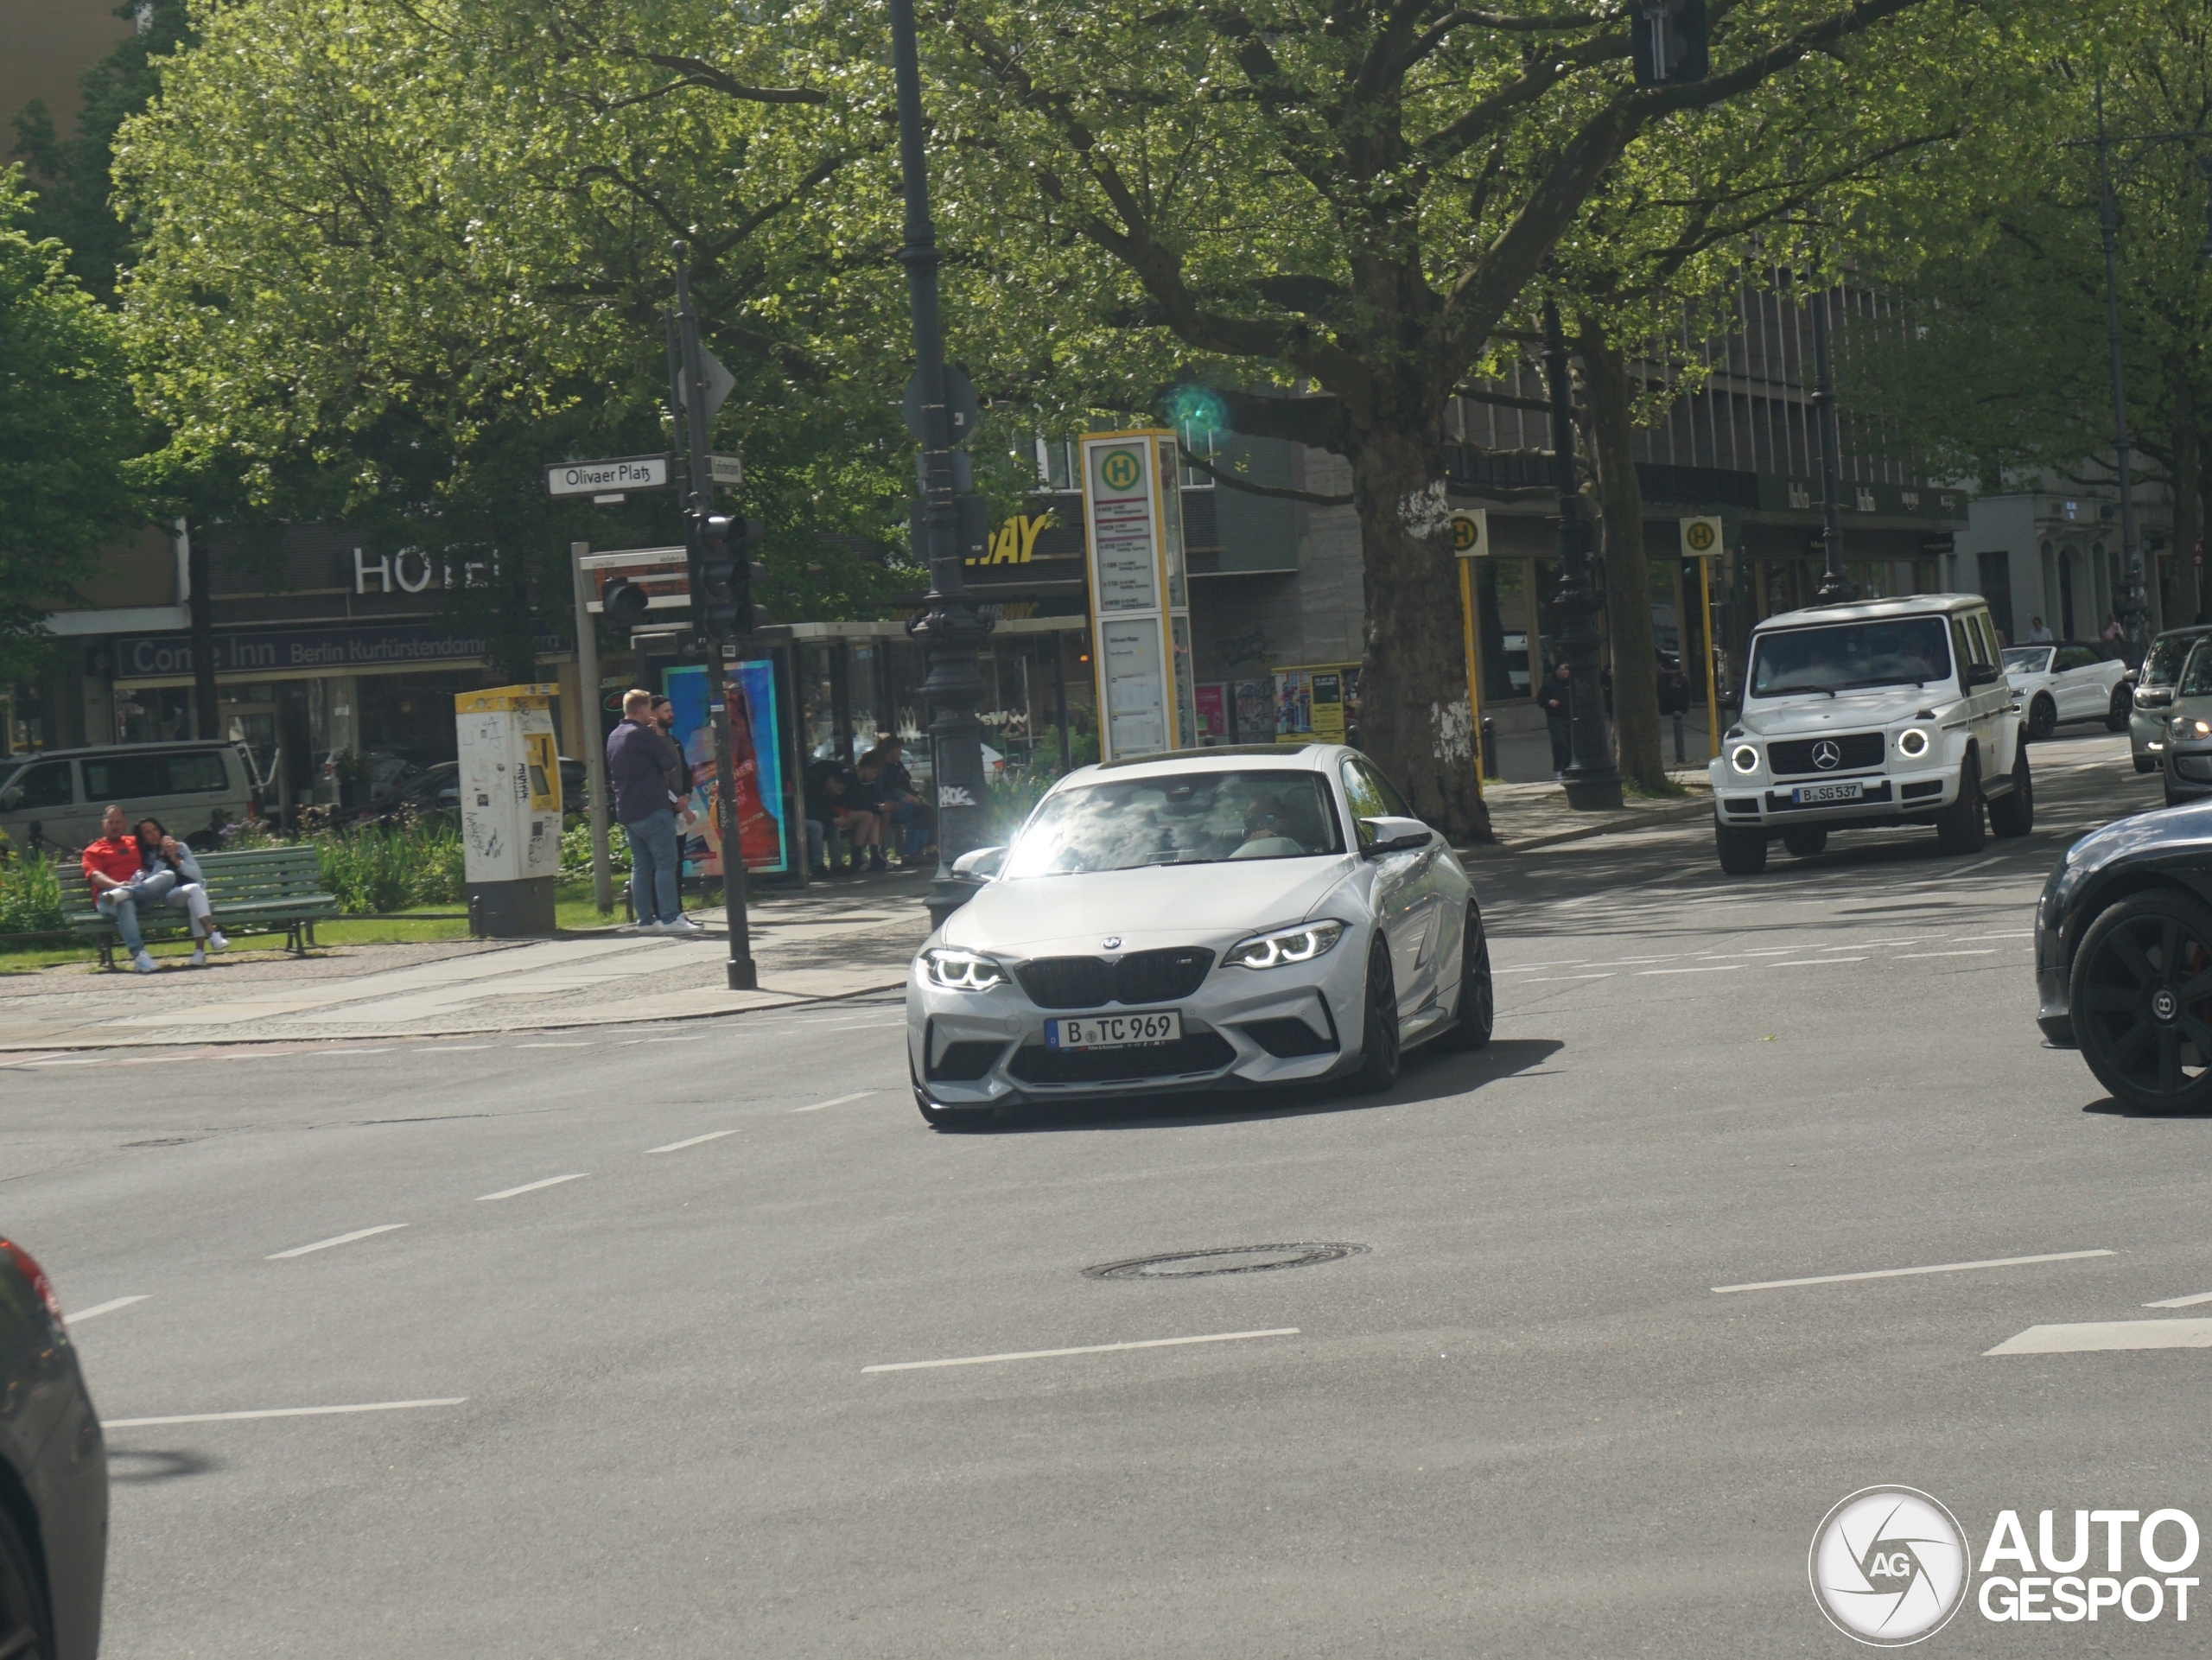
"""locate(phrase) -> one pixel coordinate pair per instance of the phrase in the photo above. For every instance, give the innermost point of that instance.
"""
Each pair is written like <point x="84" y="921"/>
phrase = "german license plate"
<point x="1806" y="794"/>
<point x="1113" y="1030"/>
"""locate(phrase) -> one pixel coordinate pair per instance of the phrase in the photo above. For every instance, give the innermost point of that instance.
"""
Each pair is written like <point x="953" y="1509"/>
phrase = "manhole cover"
<point x="1221" y="1259"/>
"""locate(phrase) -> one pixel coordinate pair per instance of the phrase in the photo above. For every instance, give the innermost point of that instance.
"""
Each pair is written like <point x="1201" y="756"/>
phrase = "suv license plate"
<point x="1805" y="795"/>
<point x="1113" y="1030"/>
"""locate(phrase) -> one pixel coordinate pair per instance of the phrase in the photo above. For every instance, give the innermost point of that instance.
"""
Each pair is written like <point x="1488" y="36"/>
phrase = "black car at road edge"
<point x="52" y="1477"/>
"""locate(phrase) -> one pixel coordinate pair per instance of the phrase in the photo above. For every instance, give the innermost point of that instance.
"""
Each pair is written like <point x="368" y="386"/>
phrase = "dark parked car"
<point x="2124" y="957"/>
<point x="52" y="1477"/>
<point x="437" y="789"/>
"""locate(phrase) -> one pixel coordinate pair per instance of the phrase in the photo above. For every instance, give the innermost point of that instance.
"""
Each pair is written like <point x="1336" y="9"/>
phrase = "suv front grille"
<point x="1199" y="1051"/>
<point x="1862" y="752"/>
<point x="1159" y="976"/>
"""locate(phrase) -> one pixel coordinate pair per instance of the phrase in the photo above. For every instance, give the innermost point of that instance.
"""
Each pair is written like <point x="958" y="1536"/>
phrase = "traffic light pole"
<point x="743" y="975"/>
<point x="948" y="630"/>
<point x="1593" y="782"/>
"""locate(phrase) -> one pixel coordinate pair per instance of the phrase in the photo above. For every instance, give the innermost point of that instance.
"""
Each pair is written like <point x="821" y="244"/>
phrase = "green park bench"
<point x="258" y="888"/>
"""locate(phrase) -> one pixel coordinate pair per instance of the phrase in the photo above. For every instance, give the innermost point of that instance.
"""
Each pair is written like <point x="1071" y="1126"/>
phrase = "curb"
<point x="1676" y="814"/>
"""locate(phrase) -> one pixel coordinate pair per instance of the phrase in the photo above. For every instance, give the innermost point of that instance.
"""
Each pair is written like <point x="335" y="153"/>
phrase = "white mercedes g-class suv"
<point x="1862" y="716"/>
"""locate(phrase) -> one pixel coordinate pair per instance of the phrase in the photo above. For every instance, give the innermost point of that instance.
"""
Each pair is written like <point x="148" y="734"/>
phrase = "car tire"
<point x="1960" y="828"/>
<point x="1477" y="995"/>
<point x="1805" y="843"/>
<point x="2013" y="814"/>
<point x="2123" y="705"/>
<point x="1743" y="852"/>
<point x="1379" y="1048"/>
<point x="26" y="1624"/>
<point x="2042" y="717"/>
<point x="2147" y="764"/>
<point x="2151" y="952"/>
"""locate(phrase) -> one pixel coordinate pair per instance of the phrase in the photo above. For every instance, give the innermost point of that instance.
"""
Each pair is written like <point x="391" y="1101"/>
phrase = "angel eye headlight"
<point x="1912" y="741"/>
<point x="956" y="970"/>
<point x="1300" y="945"/>
<point x="1743" y="758"/>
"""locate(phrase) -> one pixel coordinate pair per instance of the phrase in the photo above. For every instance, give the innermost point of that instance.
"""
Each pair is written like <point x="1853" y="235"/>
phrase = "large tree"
<point x="1347" y="200"/>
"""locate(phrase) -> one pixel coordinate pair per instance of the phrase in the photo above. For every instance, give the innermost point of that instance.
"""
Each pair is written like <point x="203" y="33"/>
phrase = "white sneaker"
<point x="143" y="962"/>
<point x="216" y="942"/>
<point x="199" y="956"/>
<point x="682" y="928"/>
<point x="650" y="928"/>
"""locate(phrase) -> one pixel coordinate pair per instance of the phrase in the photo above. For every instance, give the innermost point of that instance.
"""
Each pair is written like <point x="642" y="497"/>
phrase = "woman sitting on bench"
<point x="168" y="873"/>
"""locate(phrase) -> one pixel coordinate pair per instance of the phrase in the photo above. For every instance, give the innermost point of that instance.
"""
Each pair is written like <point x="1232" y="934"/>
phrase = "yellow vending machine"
<point x="510" y="784"/>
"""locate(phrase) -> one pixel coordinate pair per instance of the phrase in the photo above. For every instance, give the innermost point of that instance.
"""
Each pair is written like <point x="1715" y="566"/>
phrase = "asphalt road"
<point x="1521" y="1421"/>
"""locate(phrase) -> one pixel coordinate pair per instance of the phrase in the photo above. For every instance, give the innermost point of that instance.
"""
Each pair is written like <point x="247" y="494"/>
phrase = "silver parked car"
<point x="1235" y="918"/>
<point x="2154" y="694"/>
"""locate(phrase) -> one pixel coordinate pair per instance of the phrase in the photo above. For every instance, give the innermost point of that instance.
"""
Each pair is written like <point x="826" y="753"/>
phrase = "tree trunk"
<point x="1628" y="573"/>
<point x="1414" y="717"/>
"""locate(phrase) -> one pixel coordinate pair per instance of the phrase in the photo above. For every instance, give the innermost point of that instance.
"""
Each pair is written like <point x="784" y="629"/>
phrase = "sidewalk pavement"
<point x="826" y="943"/>
<point x="822" y="944"/>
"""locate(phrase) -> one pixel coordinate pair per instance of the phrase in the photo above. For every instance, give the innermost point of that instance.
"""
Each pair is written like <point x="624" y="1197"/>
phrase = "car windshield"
<point x="2197" y="673"/>
<point x="1176" y="819"/>
<point x="2029" y="659"/>
<point x="2163" y="666"/>
<point x="1898" y="651"/>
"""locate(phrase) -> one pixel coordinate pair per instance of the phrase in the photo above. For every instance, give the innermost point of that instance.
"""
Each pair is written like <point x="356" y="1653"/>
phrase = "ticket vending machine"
<point x="510" y="782"/>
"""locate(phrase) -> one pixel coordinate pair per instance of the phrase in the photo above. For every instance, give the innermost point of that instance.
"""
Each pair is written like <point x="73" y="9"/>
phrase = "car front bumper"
<point x="2187" y="769"/>
<point x="2146" y="731"/>
<point x="1755" y="801"/>
<point x="1219" y="1049"/>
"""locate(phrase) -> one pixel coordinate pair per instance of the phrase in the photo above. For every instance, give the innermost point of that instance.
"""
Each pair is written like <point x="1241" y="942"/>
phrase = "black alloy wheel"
<point x="1804" y="843"/>
<point x="2042" y="717"/>
<point x="1743" y="852"/>
<point x="1379" y="1049"/>
<point x="2142" y="1001"/>
<point x="26" y="1631"/>
<point x="2013" y="813"/>
<point x="1477" y="997"/>
<point x="2123" y="705"/>
<point x="1960" y="828"/>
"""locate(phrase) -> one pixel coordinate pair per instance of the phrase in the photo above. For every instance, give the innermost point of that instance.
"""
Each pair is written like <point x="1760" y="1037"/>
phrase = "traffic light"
<point x="717" y="549"/>
<point x="625" y="603"/>
<point x="1669" y="41"/>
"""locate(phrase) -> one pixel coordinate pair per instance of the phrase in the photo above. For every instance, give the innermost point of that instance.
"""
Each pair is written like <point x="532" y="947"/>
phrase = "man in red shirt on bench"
<point x="110" y="865"/>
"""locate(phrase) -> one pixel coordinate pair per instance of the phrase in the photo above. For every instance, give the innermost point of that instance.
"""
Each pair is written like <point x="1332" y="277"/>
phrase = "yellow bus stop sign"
<point x="1470" y="532"/>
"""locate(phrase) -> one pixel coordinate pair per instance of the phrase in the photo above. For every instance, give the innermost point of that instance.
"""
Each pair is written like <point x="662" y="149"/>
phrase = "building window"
<point x="1056" y="464"/>
<point x="1197" y="443"/>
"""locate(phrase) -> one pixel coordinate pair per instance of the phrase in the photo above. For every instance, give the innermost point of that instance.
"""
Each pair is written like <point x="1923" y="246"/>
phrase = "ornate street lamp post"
<point x="1593" y="782"/>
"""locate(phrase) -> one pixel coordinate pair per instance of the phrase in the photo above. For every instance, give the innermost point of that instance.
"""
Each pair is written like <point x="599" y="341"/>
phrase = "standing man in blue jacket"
<point x="638" y="761"/>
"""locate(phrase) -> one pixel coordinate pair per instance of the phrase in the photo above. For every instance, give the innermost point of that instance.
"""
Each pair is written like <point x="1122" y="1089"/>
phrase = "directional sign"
<point x="960" y="402"/>
<point x="725" y="470"/>
<point x="1702" y="536"/>
<point x="719" y="382"/>
<point x="1471" y="532"/>
<point x="599" y="478"/>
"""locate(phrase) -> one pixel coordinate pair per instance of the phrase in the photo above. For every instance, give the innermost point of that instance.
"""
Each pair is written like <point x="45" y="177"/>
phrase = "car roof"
<point x="1917" y="605"/>
<point x="95" y="752"/>
<point x="1299" y="758"/>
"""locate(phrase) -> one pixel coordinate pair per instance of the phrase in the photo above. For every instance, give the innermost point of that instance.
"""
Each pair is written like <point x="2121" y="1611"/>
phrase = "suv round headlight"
<point x="1912" y="741"/>
<point x="1743" y="758"/>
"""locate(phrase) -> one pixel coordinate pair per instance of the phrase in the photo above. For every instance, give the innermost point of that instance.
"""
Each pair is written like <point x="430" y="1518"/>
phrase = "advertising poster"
<point x="1293" y="705"/>
<point x="1137" y="688"/>
<point x="1213" y="710"/>
<point x="1255" y="714"/>
<point x="759" y="770"/>
<point x="1328" y="706"/>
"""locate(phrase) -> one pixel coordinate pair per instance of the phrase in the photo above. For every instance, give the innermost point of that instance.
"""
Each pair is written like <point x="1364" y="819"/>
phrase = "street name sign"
<point x="624" y="472"/>
<point x="725" y="470"/>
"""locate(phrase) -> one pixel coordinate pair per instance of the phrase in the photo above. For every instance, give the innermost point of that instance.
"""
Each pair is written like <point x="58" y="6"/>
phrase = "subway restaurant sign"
<point x="1139" y="593"/>
<point x="1014" y="542"/>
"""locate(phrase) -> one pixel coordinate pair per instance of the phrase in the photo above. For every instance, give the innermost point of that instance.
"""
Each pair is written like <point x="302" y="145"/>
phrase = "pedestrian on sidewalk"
<point x="2038" y="634"/>
<point x="679" y="774"/>
<point x="1557" y="702"/>
<point x="638" y="763"/>
<point x="168" y="873"/>
<point x="111" y="867"/>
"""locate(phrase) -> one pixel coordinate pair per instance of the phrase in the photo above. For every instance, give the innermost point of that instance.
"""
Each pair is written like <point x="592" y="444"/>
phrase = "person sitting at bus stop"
<point x="638" y="767"/>
<point x="873" y="810"/>
<point x="111" y="867"/>
<point x="168" y="872"/>
<point x="906" y="810"/>
<point x="831" y="790"/>
<point x="1557" y="702"/>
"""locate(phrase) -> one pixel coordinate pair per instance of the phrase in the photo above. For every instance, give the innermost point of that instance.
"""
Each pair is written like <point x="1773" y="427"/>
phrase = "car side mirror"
<point x="1983" y="674"/>
<point x="1382" y="836"/>
<point x="980" y="866"/>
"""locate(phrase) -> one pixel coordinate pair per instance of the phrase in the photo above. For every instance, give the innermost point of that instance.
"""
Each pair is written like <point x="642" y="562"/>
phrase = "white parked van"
<point x="54" y="799"/>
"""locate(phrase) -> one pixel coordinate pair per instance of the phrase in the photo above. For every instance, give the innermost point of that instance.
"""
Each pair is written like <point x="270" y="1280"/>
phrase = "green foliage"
<point x="375" y="869"/>
<point x="66" y="427"/>
<point x="1014" y="794"/>
<point x="575" y="849"/>
<point x="30" y="896"/>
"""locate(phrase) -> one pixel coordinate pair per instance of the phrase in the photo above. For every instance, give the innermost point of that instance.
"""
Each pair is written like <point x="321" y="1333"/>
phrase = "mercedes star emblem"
<point x="1827" y="755"/>
<point x="1111" y="942"/>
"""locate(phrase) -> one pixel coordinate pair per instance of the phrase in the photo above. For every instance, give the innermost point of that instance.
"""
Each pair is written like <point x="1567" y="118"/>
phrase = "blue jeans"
<point x="118" y="905"/>
<point x="656" y="866"/>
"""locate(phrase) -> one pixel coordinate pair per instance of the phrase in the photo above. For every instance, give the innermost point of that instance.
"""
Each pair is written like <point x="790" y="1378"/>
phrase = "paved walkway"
<point x="1530" y="816"/>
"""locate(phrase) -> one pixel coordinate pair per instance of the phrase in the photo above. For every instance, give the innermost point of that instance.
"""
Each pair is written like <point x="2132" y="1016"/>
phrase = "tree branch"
<point x="1275" y="492"/>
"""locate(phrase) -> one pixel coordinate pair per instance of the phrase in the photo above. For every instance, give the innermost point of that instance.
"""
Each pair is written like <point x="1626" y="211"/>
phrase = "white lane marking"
<point x="865" y="1025"/>
<point x="1980" y="864"/>
<point x="325" y="1244"/>
<point x="552" y="1045"/>
<point x="627" y="1042"/>
<point x="839" y="1101"/>
<point x="1898" y="1273"/>
<point x="1529" y="968"/>
<point x="2019" y="933"/>
<point x="2182" y="1302"/>
<point x="78" y="1061"/>
<point x="450" y="1049"/>
<point x="1717" y="968"/>
<point x="1916" y="957"/>
<point x="531" y="1186"/>
<point x="99" y="1308"/>
<point x="2108" y="1334"/>
<point x="1813" y="963"/>
<point x="279" y="1412"/>
<point x="677" y="1147"/>
<point x="33" y="1059"/>
<point x="1095" y="1348"/>
<point x="1562" y="979"/>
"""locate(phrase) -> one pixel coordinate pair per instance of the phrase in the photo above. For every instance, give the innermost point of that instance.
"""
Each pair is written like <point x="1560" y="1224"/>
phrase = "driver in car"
<point x="1264" y="833"/>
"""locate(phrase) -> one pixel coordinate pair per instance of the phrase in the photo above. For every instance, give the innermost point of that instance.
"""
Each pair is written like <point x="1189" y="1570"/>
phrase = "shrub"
<point x="30" y="896"/>
<point x="370" y="870"/>
<point x="440" y="864"/>
<point x="575" y="849"/>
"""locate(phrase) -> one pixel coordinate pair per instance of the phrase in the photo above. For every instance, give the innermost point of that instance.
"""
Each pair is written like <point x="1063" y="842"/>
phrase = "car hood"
<point x="1163" y="905"/>
<point x="1853" y="711"/>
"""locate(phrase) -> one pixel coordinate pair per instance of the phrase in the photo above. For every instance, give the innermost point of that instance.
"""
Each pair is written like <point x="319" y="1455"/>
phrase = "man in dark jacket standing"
<point x="639" y="760"/>
<point x="1558" y="712"/>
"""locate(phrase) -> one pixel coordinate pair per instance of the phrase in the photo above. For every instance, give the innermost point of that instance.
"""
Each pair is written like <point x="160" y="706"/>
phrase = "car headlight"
<point x="1300" y="944"/>
<point x="1912" y="741"/>
<point x="1743" y="758"/>
<point x="961" y="970"/>
<point x="2185" y="728"/>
